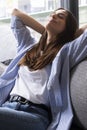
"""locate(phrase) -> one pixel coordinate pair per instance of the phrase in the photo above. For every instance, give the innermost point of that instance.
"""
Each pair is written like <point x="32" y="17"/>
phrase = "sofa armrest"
<point x="78" y="91"/>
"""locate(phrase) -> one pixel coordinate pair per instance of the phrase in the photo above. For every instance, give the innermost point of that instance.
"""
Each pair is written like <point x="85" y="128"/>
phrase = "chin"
<point x="49" y="27"/>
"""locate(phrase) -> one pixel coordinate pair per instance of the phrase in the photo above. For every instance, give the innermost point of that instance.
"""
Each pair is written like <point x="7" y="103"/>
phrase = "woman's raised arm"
<point x="29" y="21"/>
<point x="80" y="30"/>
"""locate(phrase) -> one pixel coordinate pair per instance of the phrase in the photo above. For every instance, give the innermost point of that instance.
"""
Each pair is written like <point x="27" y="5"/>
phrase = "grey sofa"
<point x="78" y="92"/>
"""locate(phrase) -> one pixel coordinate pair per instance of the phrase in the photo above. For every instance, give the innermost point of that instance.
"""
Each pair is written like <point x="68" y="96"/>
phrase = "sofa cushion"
<point x="78" y="91"/>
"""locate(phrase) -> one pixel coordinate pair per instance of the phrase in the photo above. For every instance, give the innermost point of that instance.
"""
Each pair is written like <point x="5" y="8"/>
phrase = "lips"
<point x="52" y="20"/>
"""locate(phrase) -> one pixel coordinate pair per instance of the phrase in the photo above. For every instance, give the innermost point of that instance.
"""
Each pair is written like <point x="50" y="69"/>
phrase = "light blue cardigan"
<point x="58" y="84"/>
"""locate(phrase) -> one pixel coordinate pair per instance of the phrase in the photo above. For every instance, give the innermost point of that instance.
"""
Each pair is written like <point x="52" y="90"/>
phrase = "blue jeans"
<point x="16" y="116"/>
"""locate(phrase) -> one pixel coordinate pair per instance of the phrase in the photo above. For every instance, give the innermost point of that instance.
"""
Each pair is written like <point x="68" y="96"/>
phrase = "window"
<point x="79" y="2"/>
<point x="82" y="2"/>
<point x="29" y="6"/>
<point x="39" y="9"/>
<point x="82" y="12"/>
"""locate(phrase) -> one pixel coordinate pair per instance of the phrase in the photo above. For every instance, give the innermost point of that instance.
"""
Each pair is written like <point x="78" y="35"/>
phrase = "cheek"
<point x="61" y="27"/>
<point x="56" y="28"/>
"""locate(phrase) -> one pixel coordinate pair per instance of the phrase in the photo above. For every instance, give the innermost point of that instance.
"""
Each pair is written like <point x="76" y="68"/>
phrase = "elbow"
<point x="15" y="12"/>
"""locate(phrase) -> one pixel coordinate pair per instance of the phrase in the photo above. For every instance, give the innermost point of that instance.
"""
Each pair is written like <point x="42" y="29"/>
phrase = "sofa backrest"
<point x="78" y="91"/>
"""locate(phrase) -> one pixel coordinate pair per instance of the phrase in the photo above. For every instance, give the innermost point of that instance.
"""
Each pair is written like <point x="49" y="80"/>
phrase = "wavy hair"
<point x="41" y="55"/>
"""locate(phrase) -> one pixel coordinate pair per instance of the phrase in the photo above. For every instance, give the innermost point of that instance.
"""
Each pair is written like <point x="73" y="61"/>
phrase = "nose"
<point x="53" y="15"/>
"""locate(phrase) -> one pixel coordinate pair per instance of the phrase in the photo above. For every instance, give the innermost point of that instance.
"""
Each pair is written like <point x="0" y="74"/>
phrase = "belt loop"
<point x="11" y="98"/>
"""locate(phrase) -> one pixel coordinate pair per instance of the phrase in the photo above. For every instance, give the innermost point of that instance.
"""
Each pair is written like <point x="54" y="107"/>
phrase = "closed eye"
<point x="61" y="16"/>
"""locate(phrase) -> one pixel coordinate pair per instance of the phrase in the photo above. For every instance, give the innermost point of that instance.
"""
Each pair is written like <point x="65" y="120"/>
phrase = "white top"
<point x="32" y="85"/>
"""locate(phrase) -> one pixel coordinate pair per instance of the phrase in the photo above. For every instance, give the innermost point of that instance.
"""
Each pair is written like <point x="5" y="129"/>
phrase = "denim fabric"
<point x="14" y="116"/>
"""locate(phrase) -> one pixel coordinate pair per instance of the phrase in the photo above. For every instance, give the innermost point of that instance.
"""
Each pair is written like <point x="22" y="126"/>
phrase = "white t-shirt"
<point x="32" y="85"/>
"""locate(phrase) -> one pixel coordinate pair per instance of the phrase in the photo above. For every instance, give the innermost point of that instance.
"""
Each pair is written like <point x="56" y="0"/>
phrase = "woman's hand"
<point x="29" y="21"/>
<point x="80" y="31"/>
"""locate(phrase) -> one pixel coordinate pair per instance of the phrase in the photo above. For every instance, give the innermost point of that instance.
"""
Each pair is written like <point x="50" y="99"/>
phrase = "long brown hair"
<point x="41" y="55"/>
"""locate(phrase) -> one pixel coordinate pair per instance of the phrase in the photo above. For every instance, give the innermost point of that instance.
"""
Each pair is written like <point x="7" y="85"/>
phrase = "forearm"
<point x="29" y="21"/>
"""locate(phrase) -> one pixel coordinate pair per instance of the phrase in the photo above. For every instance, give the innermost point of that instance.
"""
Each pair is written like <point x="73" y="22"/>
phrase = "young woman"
<point x="27" y="87"/>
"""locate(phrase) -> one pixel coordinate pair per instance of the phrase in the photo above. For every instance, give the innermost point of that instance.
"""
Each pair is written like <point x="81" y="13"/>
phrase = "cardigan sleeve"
<point x="21" y="33"/>
<point x="78" y="49"/>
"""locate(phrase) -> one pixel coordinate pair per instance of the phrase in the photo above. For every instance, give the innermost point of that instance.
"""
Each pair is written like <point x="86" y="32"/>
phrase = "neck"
<point x="50" y="37"/>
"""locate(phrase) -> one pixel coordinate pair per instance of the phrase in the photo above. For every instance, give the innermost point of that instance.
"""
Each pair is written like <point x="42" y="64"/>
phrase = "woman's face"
<point x="57" y="22"/>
